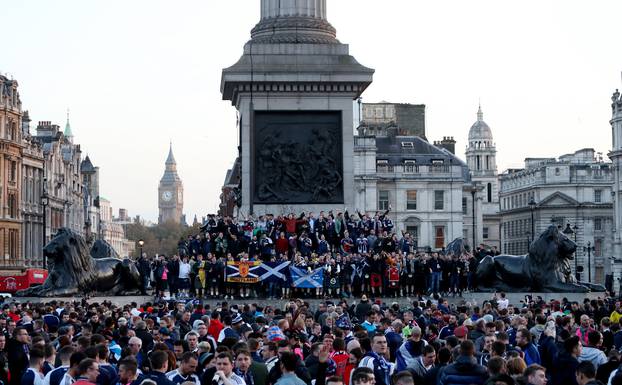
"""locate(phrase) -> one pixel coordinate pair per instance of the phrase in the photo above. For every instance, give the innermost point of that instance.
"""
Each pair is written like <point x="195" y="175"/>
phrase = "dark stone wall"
<point x="410" y="119"/>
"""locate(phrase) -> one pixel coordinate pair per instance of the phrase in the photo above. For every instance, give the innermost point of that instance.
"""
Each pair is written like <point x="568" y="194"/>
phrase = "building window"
<point x="598" y="224"/>
<point x="13" y="172"/>
<point x="12" y="206"/>
<point x="485" y="233"/>
<point x="414" y="234"/>
<point x="439" y="200"/>
<point x="598" y="196"/>
<point x="464" y="205"/>
<point x="383" y="200"/>
<point x="411" y="200"/>
<point x="410" y="166"/>
<point x="13" y="244"/>
<point x="382" y="165"/>
<point x="489" y="192"/>
<point x="478" y="166"/>
<point x="598" y="247"/>
<point x="439" y="237"/>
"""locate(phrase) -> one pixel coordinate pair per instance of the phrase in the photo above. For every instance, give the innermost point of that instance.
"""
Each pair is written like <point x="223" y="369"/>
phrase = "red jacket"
<point x="281" y="246"/>
<point x="83" y="381"/>
<point x="214" y="328"/>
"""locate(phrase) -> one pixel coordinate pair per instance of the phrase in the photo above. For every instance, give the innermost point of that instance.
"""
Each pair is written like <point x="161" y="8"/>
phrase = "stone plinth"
<point x="294" y="63"/>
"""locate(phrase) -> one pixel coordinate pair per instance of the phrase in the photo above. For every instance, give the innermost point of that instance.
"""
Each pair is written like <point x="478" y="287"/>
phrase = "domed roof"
<point x="480" y="130"/>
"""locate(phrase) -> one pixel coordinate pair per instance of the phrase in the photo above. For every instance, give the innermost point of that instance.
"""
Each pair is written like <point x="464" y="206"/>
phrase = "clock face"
<point x="167" y="196"/>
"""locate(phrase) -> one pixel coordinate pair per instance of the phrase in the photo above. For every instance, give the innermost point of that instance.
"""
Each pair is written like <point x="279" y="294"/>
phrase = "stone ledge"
<point x="470" y="298"/>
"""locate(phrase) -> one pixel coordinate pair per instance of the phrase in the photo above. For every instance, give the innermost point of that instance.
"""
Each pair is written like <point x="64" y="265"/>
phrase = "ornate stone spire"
<point x="293" y="21"/>
<point x="170" y="160"/>
<point x="68" y="133"/>
<point x="480" y="114"/>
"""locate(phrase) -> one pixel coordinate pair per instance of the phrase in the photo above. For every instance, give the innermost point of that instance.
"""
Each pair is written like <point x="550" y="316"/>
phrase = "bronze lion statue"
<point x="546" y="268"/>
<point x="73" y="271"/>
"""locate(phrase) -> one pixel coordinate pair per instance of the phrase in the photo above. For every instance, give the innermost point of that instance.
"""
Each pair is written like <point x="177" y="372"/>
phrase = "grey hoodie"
<point x="594" y="355"/>
<point x="536" y="332"/>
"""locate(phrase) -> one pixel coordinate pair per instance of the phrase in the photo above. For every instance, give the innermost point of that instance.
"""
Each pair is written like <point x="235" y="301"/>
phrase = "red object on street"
<point x="14" y="282"/>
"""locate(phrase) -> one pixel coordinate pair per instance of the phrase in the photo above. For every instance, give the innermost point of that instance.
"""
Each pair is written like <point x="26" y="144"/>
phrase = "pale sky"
<point x="136" y="74"/>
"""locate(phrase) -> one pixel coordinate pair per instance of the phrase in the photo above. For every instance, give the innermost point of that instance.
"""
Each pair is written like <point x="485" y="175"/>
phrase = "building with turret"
<point x="171" y="193"/>
<point x="91" y="205"/>
<point x="481" y="157"/>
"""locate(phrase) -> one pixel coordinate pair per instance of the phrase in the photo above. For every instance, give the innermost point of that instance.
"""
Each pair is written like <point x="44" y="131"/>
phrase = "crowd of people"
<point x="337" y="343"/>
<point x="359" y="253"/>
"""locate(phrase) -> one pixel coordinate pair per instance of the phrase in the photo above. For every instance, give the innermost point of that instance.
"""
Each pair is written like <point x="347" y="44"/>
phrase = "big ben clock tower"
<point x="171" y="192"/>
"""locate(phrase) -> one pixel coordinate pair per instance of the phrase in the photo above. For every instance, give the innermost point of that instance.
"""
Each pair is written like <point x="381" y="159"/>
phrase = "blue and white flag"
<point x="273" y="271"/>
<point x="307" y="280"/>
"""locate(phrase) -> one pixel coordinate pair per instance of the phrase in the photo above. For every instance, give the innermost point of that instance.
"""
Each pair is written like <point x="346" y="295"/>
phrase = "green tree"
<point x="159" y="239"/>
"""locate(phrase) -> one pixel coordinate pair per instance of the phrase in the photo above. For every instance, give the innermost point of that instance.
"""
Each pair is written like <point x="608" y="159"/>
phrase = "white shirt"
<point x="184" y="270"/>
<point x="38" y="376"/>
<point x="67" y="380"/>
<point x="233" y="378"/>
<point x="503" y="303"/>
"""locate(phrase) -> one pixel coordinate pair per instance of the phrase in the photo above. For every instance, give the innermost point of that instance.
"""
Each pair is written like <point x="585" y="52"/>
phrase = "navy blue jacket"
<point x="56" y="375"/>
<point x="464" y="371"/>
<point x="159" y="378"/>
<point x="107" y="375"/>
<point x="564" y="370"/>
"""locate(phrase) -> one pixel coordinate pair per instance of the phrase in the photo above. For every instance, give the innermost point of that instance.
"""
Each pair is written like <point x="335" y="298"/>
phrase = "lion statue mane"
<point x="546" y="268"/>
<point x="73" y="271"/>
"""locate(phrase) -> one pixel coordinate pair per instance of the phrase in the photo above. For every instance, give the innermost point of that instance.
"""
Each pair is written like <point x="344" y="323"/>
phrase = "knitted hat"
<point x="275" y="334"/>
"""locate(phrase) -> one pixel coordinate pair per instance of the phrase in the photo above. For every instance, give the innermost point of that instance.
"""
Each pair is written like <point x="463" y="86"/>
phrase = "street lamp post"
<point x="532" y="207"/>
<point x="589" y="250"/>
<point x="140" y="244"/>
<point x="45" y="202"/>
<point x="568" y="232"/>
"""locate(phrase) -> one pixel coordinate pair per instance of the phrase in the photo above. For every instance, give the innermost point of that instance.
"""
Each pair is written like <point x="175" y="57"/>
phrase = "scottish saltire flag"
<point x="307" y="280"/>
<point x="273" y="271"/>
<point x="243" y="272"/>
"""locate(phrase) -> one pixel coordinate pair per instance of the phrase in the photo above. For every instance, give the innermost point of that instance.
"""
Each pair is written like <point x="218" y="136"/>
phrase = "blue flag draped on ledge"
<point x="307" y="279"/>
<point x="273" y="271"/>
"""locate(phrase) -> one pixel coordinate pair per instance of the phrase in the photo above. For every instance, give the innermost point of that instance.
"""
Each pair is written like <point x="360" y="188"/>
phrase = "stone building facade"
<point x="63" y="180"/>
<point x="230" y="192"/>
<point x="90" y="182"/>
<point x="31" y="204"/>
<point x="112" y="230"/>
<point x="396" y="118"/>
<point x="11" y="253"/>
<point x="572" y="192"/>
<point x="421" y="182"/>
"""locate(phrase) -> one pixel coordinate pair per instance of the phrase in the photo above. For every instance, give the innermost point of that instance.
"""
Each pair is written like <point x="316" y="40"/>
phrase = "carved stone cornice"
<point x="294" y="30"/>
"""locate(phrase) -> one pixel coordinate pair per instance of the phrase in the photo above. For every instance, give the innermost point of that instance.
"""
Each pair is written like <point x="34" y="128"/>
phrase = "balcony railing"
<point x="413" y="169"/>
